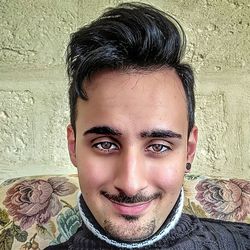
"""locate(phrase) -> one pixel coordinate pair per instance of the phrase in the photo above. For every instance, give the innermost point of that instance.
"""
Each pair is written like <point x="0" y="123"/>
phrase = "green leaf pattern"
<point x="6" y="239"/>
<point x="9" y="233"/>
<point x="4" y="217"/>
<point x="67" y="223"/>
<point x="19" y="234"/>
<point x="46" y="231"/>
<point x="194" y="209"/>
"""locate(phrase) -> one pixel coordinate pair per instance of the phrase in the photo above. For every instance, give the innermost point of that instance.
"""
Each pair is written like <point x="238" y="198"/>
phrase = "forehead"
<point x="110" y="84"/>
<point x="146" y="98"/>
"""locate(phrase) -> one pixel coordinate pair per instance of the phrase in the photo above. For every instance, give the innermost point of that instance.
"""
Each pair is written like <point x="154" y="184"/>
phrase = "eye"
<point x="158" y="148"/>
<point x="106" y="146"/>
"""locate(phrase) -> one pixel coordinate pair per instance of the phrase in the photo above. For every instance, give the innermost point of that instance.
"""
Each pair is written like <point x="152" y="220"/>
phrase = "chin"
<point x="130" y="228"/>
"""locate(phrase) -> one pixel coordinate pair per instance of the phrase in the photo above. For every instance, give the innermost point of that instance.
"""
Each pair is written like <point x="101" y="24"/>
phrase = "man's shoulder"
<point x="61" y="246"/>
<point x="237" y="226"/>
<point x="235" y="233"/>
<point x="65" y="245"/>
<point x="82" y="239"/>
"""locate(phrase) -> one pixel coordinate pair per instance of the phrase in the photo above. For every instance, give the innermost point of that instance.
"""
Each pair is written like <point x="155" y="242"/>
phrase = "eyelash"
<point x="166" y="148"/>
<point x="99" y="146"/>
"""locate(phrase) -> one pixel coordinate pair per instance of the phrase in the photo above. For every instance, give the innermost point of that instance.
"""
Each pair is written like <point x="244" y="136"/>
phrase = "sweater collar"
<point x="98" y="231"/>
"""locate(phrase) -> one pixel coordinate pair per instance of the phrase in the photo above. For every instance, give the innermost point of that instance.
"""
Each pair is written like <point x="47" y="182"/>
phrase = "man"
<point x="132" y="136"/>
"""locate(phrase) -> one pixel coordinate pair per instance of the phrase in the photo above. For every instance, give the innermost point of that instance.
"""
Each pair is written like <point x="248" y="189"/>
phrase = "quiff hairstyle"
<point x="130" y="36"/>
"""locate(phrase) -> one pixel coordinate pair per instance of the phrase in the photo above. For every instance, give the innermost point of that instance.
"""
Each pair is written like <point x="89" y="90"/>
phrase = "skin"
<point x="131" y="148"/>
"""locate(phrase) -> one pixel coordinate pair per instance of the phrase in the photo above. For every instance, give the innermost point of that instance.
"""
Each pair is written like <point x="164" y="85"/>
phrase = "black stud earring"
<point x="188" y="166"/>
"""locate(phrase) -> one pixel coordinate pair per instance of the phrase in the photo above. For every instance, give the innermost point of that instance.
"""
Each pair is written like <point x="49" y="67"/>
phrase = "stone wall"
<point x="33" y="83"/>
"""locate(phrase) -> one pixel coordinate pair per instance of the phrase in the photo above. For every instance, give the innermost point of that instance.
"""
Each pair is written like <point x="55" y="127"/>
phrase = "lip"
<point x="131" y="209"/>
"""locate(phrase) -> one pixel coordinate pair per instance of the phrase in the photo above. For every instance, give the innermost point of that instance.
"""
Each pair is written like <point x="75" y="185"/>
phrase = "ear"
<point x="71" y="144"/>
<point x="191" y="145"/>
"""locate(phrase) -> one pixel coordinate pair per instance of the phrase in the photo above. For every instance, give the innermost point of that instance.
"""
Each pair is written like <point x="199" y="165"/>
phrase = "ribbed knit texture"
<point x="190" y="233"/>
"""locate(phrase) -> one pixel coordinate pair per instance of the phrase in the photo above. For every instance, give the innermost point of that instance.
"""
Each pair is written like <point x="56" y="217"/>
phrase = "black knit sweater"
<point x="190" y="233"/>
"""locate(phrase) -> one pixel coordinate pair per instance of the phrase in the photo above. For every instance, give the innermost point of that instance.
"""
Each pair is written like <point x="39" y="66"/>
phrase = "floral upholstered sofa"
<point x="38" y="211"/>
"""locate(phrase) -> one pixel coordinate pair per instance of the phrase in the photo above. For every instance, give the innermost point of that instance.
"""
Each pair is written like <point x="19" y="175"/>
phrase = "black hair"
<point x="129" y="36"/>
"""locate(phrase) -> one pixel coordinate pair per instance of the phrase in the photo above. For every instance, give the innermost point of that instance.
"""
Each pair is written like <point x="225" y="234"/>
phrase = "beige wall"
<point x="33" y="85"/>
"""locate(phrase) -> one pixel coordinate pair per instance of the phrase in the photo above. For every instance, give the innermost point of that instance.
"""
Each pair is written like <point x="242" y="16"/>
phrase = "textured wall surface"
<point x="33" y="84"/>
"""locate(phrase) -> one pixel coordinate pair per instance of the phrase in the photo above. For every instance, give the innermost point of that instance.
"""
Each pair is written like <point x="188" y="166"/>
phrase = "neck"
<point x="98" y="231"/>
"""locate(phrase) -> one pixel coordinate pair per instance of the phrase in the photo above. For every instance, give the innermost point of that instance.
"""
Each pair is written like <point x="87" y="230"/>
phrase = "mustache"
<point x="123" y="198"/>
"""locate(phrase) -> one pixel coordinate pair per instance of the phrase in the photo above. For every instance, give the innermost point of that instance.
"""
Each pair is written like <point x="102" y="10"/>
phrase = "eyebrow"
<point x="155" y="133"/>
<point x="103" y="130"/>
<point x="160" y="133"/>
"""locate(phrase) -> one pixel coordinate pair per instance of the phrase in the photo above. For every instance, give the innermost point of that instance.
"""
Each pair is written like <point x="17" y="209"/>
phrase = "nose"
<point x="131" y="174"/>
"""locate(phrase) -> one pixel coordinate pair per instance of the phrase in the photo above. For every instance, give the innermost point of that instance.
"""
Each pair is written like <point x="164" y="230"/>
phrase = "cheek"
<point x="168" y="177"/>
<point x="93" y="173"/>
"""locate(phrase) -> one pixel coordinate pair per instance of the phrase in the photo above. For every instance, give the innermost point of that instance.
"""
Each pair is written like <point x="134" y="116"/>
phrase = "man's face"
<point x="131" y="149"/>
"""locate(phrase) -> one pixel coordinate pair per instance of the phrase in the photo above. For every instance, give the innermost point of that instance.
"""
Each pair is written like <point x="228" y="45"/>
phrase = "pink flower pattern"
<point x="36" y="200"/>
<point x="225" y="199"/>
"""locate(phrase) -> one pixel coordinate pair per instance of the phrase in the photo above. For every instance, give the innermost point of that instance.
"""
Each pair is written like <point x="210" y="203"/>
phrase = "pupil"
<point x="106" y="145"/>
<point x="157" y="147"/>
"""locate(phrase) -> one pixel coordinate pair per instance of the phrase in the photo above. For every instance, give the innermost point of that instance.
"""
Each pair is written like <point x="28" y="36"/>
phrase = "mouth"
<point x="131" y="206"/>
<point x="130" y="209"/>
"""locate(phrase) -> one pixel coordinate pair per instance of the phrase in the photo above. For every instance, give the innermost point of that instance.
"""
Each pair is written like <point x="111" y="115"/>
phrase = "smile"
<point x="132" y="209"/>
